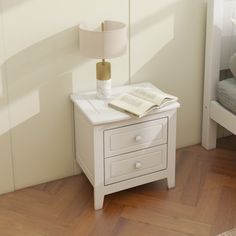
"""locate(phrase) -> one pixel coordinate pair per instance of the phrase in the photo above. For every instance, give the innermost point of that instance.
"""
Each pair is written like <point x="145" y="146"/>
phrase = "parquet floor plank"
<point x="110" y="217"/>
<point x="163" y="221"/>
<point x="151" y="203"/>
<point x="225" y="218"/>
<point x="133" y="228"/>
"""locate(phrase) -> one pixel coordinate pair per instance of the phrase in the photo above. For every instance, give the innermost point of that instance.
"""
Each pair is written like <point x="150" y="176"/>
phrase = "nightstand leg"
<point x="171" y="181"/>
<point x="98" y="199"/>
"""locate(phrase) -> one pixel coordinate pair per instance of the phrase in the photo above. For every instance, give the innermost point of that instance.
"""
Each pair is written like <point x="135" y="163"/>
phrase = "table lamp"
<point x="106" y="43"/>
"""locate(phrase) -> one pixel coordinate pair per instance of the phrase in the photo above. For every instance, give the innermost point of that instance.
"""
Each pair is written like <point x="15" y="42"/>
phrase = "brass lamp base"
<point x="103" y="79"/>
<point x="103" y="70"/>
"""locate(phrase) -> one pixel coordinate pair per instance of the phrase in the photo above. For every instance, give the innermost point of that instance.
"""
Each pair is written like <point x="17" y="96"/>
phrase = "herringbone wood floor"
<point x="203" y="203"/>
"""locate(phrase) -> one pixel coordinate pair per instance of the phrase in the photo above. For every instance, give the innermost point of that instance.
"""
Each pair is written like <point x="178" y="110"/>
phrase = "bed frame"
<point x="220" y="45"/>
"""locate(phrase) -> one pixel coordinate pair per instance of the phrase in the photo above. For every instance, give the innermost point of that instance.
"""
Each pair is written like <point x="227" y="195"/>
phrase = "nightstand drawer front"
<point x="135" y="137"/>
<point x="135" y="164"/>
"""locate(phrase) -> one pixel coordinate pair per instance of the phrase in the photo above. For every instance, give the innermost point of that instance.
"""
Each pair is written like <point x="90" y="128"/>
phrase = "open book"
<point x="141" y="100"/>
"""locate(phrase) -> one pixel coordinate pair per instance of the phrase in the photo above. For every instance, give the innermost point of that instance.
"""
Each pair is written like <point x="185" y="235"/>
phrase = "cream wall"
<point x="167" y="48"/>
<point x="43" y="66"/>
<point x="6" y="174"/>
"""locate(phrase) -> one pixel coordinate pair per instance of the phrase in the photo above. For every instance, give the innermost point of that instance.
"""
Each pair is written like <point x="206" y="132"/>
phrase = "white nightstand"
<point x="117" y="151"/>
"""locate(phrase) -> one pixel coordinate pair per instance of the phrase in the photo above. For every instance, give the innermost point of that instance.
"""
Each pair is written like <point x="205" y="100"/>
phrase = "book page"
<point x="153" y="95"/>
<point x="132" y="104"/>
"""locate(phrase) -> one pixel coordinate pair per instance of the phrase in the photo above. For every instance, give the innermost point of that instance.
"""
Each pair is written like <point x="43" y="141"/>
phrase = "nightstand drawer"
<point x="135" y="137"/>
<point x="135" y="164"/>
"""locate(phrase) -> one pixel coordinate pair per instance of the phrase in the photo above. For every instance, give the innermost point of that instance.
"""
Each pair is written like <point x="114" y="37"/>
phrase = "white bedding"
<point x="226" y="94"/>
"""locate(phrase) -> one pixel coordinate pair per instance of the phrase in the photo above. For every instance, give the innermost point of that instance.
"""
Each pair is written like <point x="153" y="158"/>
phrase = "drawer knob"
<point x="138" y="165"/>
<point x="138" y="138"/>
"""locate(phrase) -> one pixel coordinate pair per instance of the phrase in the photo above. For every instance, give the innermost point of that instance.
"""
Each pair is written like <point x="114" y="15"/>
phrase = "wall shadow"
<point x="8" y="4"/>
<point x="36" y="66"/>
<point x="38" y="82"/>
<point x="43" y="61"/>
<point x="168" y="49"/>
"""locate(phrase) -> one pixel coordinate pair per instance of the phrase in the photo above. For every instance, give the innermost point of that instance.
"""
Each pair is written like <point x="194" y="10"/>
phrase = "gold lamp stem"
<point x="103" y="68"/>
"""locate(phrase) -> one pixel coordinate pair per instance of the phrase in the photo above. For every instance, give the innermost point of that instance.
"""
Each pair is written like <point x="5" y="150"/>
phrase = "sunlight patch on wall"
<point x="141" y="11"/>
<point x="148" y="42"/>
<point x="4" y="122"/>
<point x="20" y="110"/>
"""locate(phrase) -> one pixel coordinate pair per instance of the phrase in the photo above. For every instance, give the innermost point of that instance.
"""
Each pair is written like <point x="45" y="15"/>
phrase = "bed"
<point x="219" y="103"/>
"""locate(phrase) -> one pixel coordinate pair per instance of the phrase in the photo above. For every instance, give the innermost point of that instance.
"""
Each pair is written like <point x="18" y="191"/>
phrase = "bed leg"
<point x="209" y="134"/>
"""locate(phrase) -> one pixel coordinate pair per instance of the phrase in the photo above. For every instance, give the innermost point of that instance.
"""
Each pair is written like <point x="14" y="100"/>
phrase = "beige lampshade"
<point x="105" y="44"/>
